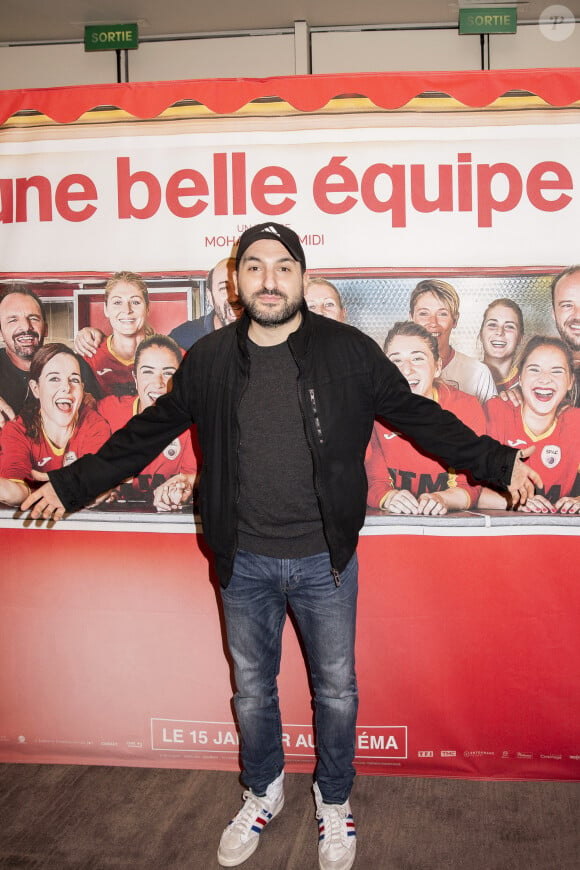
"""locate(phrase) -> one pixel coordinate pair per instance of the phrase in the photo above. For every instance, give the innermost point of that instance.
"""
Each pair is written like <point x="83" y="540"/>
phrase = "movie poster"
<point x="455" y="225"/>
<point x="447" y="235"/>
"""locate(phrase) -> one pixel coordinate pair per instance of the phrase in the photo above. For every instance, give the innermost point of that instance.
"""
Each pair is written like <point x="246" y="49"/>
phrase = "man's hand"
<point x="524" y="480"/>
<point x="87" y="340"/>
<point x="43" y="503"/>
<point x="174" y="493"/>
<point x="6" y="412"/>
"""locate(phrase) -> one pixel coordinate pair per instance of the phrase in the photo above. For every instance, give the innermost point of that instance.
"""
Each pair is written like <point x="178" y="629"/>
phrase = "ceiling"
<point x="23" y="21"/>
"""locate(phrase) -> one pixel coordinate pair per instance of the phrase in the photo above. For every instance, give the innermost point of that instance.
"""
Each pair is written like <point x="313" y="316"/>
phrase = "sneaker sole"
<point x="253" y="844"/>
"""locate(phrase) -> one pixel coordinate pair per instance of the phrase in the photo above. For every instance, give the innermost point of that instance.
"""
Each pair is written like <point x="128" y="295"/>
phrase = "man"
<point x="566" y="307"/>
<point x="219" y="295"/>
<point x="322" y="297"/>
<point x="23" y="327"/>
<point x="285" y="403"/>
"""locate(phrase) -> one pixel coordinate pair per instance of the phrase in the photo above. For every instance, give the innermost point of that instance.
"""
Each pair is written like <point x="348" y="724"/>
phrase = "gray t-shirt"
<point x="278" y="513"/>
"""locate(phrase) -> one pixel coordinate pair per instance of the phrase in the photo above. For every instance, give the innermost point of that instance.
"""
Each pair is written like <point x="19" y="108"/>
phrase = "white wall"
<point x="529" y="48"/>
<point x="395" y="50"/>
<point x="48" y="66"/>
<point x="232" y="57"/>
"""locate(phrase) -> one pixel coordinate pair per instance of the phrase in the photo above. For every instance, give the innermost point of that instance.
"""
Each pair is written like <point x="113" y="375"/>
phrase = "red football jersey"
<point x="557" y="454"/>
<point x="177" y="456"/>
<point x="21" y="454"/>
<point x="510" y="382"/>
<point x="392" y="462"/>
<point x="115" y="376"/>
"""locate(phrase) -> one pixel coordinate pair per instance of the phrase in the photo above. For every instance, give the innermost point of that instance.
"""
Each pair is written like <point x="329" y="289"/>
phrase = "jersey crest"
<point x="551" y="455"/>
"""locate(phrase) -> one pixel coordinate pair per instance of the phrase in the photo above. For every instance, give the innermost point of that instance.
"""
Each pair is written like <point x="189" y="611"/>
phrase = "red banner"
<point x="467" y="655"/>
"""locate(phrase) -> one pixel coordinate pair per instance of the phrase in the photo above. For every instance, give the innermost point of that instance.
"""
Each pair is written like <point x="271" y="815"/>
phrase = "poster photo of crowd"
<point x="450" y="245"/>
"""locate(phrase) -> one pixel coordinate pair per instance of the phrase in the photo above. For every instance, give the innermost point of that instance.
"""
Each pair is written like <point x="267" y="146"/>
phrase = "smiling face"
<point x="414" y="359"/>
<point x="432" y="313"/>
<point x="567" y="310"/>
<point x="270" y="283"/>
<point x="545" y="379"/>
<point x="500" y="333"/>
<point x="126" y="308"/>
<point x="155" y="369"/>
<point x="59" y="390"/>
<point x="22" y="326"/>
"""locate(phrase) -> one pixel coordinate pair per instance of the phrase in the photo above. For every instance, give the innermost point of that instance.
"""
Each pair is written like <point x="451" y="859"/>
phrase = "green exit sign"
<point x="106" y="37"/>
<point x="485" y="20"/>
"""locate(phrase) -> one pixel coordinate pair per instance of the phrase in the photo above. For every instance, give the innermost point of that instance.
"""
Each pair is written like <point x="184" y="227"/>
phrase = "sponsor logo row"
<point x="482" y="753"/>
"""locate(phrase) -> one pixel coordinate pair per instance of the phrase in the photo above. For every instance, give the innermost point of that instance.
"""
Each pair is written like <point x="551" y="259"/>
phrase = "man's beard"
<point x="27" y="351"/>
<point x="276" y="317"/>
<point x="223" y="314"/>
<point x="572" y="339"/>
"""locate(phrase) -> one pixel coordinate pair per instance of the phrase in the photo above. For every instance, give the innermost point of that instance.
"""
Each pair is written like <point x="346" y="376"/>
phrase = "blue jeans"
<point x="255" y="604"/>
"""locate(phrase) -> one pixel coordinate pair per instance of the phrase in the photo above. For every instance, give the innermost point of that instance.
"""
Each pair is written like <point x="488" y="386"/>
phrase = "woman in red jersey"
<point x="156" y="361"/>
<point x="127" y="309"/>
<point x="545" y="419"/>
<point x="55" y="426"/>
<point x="501" y="334"/>
<point x="402" y="480"/>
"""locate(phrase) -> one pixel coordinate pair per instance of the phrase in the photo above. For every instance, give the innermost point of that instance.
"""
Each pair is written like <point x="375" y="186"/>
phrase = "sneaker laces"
<point x="246" y="815"/>
<point x="335" y="831"/>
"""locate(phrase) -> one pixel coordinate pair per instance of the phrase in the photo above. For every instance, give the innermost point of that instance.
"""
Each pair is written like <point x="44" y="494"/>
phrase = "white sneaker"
<point x="337" y="834"/>
<point x="241" y="837"/>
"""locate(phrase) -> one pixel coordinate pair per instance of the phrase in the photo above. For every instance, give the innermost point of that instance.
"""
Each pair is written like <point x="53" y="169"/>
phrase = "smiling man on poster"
<point x="285" y="402"/>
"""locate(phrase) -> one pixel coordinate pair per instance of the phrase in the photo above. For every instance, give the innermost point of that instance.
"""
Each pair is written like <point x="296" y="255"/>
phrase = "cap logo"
<point x="272" y="230"/>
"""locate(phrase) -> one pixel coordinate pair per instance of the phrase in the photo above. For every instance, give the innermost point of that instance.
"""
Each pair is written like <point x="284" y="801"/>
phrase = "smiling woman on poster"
<point x="545" y="419"/>
<point x="501" y="334"/>
<point x="434" y="304"/>
<point x="402" y="479"/>
<point x="126" y="309"/>
<point x="156" y="361"/>
<point x="55" y="427"/>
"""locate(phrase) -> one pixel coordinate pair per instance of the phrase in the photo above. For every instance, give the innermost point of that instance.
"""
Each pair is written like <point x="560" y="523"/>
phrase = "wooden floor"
<point x="93" y="818"/>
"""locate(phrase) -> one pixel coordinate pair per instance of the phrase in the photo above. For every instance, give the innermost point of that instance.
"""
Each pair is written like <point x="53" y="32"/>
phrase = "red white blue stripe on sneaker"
<point x="261" y="822"/>
<point x="349" y="824"/>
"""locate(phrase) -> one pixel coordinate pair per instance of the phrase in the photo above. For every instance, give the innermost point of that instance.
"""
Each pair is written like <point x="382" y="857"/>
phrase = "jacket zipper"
<point x="320" y="437"/>
<point x="237" y="499"/>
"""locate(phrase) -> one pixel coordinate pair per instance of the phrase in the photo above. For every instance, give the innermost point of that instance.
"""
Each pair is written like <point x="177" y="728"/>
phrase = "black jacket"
<point x="344" y="381"/>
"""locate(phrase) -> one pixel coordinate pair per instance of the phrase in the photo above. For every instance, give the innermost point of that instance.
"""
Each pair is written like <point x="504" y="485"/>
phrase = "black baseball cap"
<point x="279" y="233"/>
